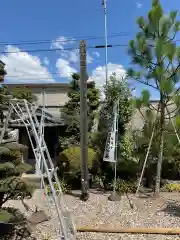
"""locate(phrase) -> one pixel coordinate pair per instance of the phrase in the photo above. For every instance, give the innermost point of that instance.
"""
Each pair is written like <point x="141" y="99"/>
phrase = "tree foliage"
<point x="2" y="70"/>
<point x="171" y="157"/>
<point x="115" y="90"/>
<point x="157" y="57"/>
<point x="24" y="93"/>
<point x="71" y="110"/>
<point x="71" y="158"/>
<point x="12" y="186"/>
<point x="18" y="92"/>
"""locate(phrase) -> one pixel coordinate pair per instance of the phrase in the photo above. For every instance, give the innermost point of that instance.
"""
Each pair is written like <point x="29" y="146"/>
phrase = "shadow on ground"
<point x="172" y="209"/>
<point x="74" y="194"/>
<point x="77" y="194"/>
<point x="20" y="232"/>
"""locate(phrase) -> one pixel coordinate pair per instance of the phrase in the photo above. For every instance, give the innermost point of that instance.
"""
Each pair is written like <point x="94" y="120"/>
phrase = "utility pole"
<point x="83" y="123"/>
<point x="104" y="4"/>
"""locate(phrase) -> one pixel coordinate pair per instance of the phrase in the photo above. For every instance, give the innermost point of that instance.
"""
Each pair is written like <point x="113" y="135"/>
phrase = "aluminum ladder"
<point x="27" y="115"/>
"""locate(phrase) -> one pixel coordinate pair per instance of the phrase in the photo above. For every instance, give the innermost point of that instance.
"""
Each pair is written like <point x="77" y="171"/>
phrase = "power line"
<point x="68" y="49"/>
<point x="113" y="35"/>
<point x="65" y="49"/>
<point x="54" y="73"/>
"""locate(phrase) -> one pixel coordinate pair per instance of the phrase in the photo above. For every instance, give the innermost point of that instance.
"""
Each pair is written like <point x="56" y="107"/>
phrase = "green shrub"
<point x="70" y="159"/>
<point x="171" y="187"/>
<point x="123" y="186"/>
<point x="64" y="186"/>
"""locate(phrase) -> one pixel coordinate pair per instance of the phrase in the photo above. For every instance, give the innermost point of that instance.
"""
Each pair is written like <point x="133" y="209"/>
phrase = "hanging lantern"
<point x="2" y="71"/>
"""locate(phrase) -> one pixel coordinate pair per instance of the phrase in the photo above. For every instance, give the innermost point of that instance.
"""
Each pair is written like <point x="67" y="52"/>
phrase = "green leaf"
<point x="177" y="121"/>
<point x="170" y="50"/>
<point x="141" y="22"/>
<point x="138" y="103"/>
<point x="176" y="100"/>
<point x="166" y="86"/>
<point x="155" y="2"/>
<point x="4" y="150"/>
<point x="159" y="47"/>
<point x="23" y="167"/>
<point x="173" y="15"/>
<point x="14" y="146"/>
<point x="177" y="26"/>
<point x="145" y="95"/>
<point x="7" y="166"/>
<point x="5" y="216"/>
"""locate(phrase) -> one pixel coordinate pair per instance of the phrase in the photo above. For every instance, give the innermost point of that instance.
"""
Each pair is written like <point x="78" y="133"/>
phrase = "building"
<point x="55" y="95"/>
<point x="55" y="98"/>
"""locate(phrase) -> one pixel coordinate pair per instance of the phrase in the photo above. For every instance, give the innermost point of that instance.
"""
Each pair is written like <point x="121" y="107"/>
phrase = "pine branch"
<point x="145" y="83"/>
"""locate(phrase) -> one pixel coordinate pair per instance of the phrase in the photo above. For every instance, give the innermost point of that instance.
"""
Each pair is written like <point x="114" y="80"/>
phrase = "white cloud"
<point x="99" y="74"/>
<point x="64" y="68"/>
<point x="139" y="5"/>
<point x="89" y="58"/>
<point x="71" y="56"/>
<point x="23" y="67"/>
<point x="96" y="54"/>
<point x="46" y="61"/>
<point x="60" y="42"/>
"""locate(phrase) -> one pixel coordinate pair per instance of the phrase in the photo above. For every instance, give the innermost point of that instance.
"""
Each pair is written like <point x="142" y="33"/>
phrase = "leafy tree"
<point x="18" y="92"/>
<point x="71" y="110"/>
<point x="171" y="157"/>
<point x="155" y="53"/>
<point x="24" y="93"/>
<point x="116" y="90"/>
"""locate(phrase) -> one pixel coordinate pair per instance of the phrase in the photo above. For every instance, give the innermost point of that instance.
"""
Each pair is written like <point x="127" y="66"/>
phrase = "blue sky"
<point x="61" y="20"/>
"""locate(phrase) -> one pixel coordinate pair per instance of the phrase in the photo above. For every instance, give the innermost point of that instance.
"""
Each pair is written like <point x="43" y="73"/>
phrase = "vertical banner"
<point x="110" y="149"/>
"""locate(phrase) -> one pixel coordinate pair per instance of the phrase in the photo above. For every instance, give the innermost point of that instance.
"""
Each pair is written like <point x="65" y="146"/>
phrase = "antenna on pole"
<point x="104" y="4"/>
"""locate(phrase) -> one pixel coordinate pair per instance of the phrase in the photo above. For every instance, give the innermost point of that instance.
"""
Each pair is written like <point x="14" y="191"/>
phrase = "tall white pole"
<point x="104" y="4"/>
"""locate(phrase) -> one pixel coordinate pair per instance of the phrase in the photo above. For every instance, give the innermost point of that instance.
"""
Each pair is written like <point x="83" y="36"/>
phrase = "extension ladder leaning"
<point x="26" y="113"/>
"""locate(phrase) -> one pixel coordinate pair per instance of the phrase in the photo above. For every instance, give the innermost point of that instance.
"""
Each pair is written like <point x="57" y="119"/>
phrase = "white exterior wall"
<point x="55" y="95"/>
<point x="54" y="100"/>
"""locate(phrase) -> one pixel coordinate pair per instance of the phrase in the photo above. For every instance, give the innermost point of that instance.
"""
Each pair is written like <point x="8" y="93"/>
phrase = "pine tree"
<point x="71" y="110"/>
<point x="155" y="53"/>
<point x="12" y="185"/>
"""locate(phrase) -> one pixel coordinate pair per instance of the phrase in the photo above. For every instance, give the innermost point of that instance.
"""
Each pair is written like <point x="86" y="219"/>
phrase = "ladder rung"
<point x="37" y="149"/>
<point x="16" y="120"/>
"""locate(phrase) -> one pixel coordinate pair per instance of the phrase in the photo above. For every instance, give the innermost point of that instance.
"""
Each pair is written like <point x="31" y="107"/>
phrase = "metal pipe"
<point x="104" y="3"/>
<point x="161" y="231"/>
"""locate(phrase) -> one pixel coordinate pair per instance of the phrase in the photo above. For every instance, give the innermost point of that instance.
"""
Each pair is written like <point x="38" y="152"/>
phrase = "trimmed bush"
<point x="70" y="159"/>
<point x="171" y="187"/>
<point x="69" y="165"/>
<point x="123" y="186"/>
<point x="64" y="186"/>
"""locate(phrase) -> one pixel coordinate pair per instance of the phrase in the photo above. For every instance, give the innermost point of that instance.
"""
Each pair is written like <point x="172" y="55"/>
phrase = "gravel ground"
<point x="97" y="211"/>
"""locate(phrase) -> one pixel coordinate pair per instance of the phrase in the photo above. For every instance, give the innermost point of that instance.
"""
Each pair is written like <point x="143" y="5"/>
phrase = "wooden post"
<point x="83" y="122"/>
